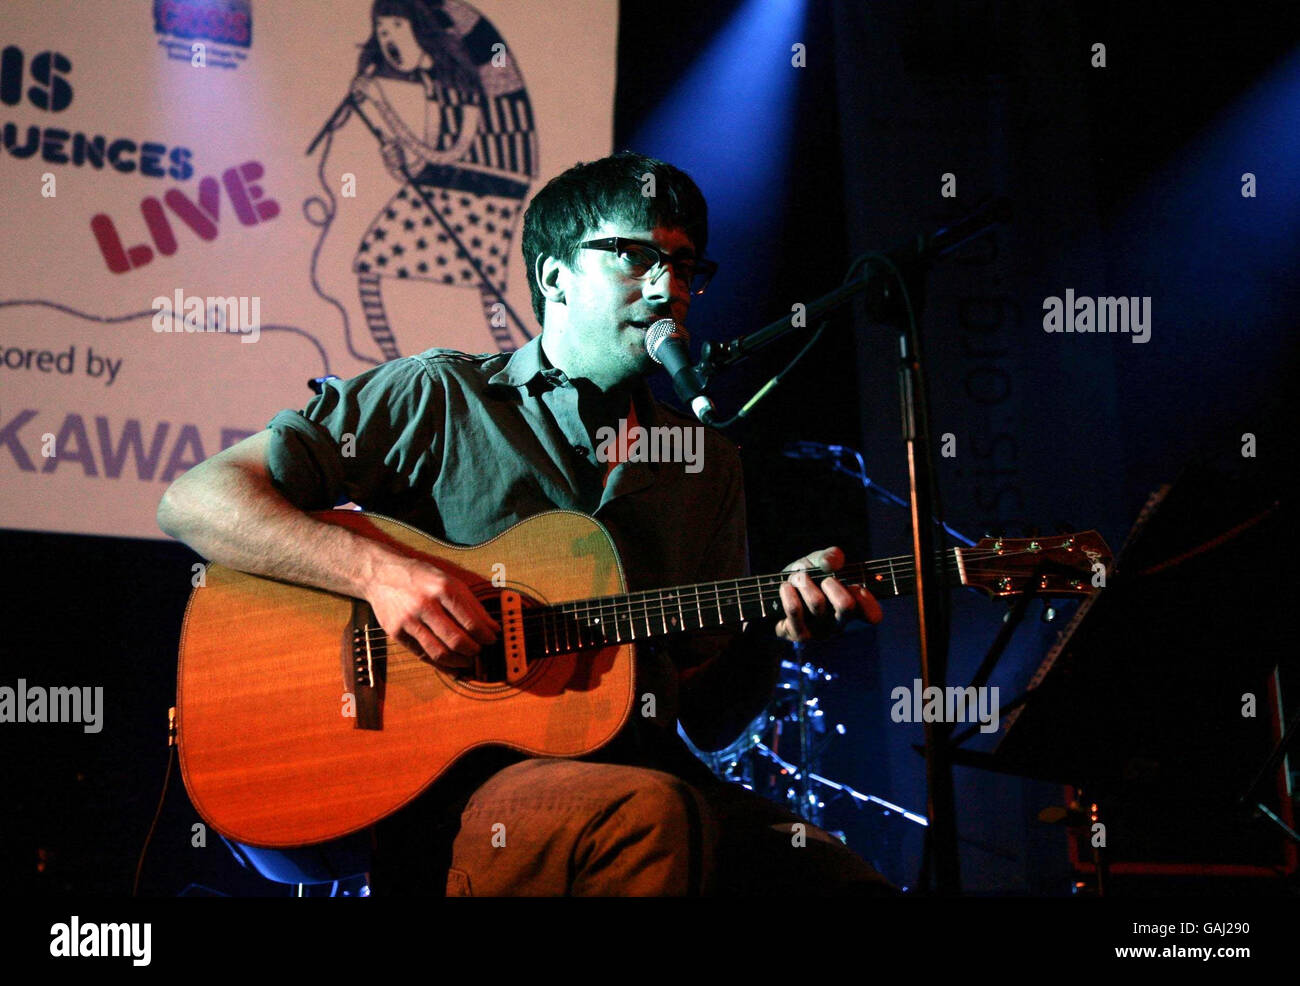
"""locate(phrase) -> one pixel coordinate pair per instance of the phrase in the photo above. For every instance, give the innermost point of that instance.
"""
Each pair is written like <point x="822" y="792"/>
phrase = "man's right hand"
<point x="418" y="603"/>
<point x="215" y="506"/>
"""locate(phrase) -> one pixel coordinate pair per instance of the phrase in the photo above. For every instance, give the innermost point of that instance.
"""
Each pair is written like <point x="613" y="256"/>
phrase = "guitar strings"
<point x="640" y="603"/>
<point x="651" y="605"/>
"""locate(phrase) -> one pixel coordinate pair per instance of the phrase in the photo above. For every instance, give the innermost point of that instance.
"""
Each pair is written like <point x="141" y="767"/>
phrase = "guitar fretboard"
<point x="582" y="624"/>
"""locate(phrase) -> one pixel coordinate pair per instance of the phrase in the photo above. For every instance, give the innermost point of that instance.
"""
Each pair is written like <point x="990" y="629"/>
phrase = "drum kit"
<point x="779" y="753"/>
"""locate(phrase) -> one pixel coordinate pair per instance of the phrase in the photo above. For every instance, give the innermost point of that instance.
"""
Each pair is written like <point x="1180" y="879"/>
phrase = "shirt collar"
<point x="524" y="364"/>
<point x="528" y="362"/>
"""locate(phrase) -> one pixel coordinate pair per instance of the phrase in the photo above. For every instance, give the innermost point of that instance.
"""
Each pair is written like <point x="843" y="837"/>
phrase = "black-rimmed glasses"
<point x="642" y="260"/>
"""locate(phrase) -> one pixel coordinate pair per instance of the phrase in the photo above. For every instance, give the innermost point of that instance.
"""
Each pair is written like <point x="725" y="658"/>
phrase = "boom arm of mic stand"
<point x="714" y="356"/>
<point x="925" y="249"/>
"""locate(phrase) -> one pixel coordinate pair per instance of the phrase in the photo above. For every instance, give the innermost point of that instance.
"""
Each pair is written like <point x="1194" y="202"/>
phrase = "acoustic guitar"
<point x="300" y="720"/>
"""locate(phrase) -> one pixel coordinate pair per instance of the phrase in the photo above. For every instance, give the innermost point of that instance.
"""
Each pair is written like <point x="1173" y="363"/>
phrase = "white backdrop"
<point x="98" y="410"/>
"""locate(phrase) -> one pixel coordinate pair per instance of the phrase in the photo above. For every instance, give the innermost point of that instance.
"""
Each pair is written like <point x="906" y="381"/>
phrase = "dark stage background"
<point x="1126" y="181"/>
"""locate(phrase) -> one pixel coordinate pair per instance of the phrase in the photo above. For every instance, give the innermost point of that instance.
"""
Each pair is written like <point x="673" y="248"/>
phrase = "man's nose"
<point x="665" y="285"/>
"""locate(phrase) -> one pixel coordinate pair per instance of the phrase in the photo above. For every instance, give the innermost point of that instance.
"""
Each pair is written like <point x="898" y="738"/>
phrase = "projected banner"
<point x="178" y="263"/>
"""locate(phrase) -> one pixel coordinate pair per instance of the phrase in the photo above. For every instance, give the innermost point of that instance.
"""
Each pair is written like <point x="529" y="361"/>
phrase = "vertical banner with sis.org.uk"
<point x="196" y="222"/>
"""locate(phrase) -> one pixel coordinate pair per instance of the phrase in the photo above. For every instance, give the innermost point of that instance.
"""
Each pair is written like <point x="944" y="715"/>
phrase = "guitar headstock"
<point x="1064" y="564"/>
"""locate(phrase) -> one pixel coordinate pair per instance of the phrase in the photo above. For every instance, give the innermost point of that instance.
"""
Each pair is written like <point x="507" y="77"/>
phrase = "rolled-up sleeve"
<point x="366" y="439"/>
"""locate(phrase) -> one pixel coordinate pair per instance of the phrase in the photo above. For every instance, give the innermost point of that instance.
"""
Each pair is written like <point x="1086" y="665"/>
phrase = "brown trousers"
<point x="546" y="827"/>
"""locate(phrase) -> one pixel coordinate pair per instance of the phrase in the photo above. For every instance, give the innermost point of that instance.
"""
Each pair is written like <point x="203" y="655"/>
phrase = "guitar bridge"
<point x="366" y="666"/>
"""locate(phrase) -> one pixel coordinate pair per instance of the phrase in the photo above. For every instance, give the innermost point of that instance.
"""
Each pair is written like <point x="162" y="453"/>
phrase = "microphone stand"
<point x="897" y="299"/>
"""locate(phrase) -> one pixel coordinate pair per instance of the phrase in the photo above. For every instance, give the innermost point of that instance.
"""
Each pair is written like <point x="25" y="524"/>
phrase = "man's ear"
<point x="550" y="275"/>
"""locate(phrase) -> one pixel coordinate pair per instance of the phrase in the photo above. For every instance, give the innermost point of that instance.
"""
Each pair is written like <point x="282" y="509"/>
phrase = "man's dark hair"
<point x="574" y="203"/>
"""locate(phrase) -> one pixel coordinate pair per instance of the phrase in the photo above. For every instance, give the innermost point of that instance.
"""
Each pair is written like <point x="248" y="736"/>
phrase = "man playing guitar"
<point x="463" y="447"/>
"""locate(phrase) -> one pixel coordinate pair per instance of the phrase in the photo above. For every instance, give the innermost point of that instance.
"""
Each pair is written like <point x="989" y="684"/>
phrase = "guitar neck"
<point x="581" y="624"/>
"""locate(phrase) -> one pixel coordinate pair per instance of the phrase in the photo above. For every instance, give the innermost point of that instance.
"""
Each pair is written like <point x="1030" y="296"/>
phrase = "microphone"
<point x="666" y="342"/>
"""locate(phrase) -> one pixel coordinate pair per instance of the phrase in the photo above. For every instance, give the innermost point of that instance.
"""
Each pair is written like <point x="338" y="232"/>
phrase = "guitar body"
<point x="300" y="722"/>
<point x="278" y="747"/>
